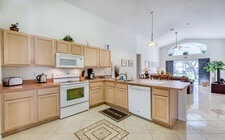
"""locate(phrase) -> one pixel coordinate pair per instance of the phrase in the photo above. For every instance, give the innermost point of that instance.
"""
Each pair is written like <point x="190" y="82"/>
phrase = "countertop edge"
<point x="138" y="84"/>
<point x="25" y="87"/>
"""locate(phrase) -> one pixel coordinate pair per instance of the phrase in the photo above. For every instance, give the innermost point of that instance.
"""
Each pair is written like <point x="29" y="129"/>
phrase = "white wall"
<point x="216" y="51"/>
<point x="147" y="53"/>
<point x="55" y="19"/>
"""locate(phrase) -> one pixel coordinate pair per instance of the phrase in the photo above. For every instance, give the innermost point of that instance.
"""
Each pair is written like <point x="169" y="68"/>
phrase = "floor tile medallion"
<point x="101" y="130"/>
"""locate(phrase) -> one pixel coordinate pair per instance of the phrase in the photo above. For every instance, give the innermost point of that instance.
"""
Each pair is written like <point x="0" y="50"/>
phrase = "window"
<point x="191" y="48"/>
<point x="186" y="68"/>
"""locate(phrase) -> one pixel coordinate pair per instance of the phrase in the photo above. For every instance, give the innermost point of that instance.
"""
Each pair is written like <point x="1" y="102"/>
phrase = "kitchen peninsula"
<point x="168" y="100"/>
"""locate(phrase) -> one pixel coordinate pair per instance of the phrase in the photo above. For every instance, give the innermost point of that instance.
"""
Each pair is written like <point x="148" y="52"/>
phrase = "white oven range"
<point x="74" y="94"/>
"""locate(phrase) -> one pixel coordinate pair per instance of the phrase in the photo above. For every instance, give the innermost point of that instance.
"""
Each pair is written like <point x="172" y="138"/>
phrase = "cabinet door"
<point x="110" y="95"/>
<point x="16" y="48"/>
<point x="160" y="108"/>
<point x="96" y="95"/>
<point x="105" y="58"/>
<point x="48" y="106"/>
<point x="44" y="51"/>
<point x="63" y="47"/>
<point x="121" y="98"/>
<point x="91" y="56"/>
<point x="18" y="113"/>
<point x="77" y="49"/>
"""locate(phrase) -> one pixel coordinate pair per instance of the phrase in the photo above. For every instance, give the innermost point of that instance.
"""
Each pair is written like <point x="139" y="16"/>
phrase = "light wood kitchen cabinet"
<point x="164" y="106"/>
<point x="48" y="103"/>
<point x="91" y="57"/>
<point x="16" y="48"/>
<point x="121" y="96"/>
<point x="18" y="110"/>
<point x="44" y="51"/>
<point x="105" y="58"/>
<point x="63" y="47"/>
<point x="77" y="49"/>
<point x="24" y="109"/>
<point x="96" y="93"/>
<point x="110" y="93"/>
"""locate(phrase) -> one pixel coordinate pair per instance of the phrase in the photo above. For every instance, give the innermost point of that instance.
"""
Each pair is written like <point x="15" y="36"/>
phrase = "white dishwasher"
<point x="139" y="99"/>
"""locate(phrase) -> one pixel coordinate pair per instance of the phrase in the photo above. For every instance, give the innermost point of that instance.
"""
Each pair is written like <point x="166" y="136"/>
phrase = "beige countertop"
<point x="162" y="84"/>
<point x="28" y="86"/>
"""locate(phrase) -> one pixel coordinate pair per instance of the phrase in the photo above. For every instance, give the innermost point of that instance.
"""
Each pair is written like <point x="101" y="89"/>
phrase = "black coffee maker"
<point x="91" y="74"/>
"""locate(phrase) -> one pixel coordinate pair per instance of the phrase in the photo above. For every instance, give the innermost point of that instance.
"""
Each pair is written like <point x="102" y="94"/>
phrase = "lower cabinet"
<point x="160" y="108"/>
<point x="164" y="106"/>
<point x="121" y="96"/>
<point x="25" y="108"/>
<point x="110" y="93"/>
<point x="96" y="93"/>
<point x="18" y="113"/>
<point x="114" y="94"/>
<point x="48" y="106"/>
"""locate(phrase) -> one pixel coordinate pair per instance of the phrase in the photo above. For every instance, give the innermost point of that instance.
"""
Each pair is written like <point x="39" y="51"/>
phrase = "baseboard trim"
<point x="4" y="134"/>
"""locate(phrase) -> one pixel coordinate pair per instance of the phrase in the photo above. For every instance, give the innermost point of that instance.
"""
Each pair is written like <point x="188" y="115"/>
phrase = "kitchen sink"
<point x="124" y="80"/>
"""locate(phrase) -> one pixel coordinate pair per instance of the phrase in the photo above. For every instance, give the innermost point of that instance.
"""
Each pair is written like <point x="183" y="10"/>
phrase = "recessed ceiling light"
<point x="172" y="29"/>
<point x="188" y="24"/>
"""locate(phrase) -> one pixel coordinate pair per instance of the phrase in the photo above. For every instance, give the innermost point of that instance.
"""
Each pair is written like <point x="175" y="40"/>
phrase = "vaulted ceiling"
<point x="193" y="19"/>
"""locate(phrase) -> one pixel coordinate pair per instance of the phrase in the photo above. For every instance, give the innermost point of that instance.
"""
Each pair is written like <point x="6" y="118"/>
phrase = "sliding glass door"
<point x="186" y="68"/>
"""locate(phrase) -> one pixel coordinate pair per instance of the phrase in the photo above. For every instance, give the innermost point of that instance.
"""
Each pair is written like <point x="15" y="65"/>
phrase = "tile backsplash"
<point x="28" y="73"/>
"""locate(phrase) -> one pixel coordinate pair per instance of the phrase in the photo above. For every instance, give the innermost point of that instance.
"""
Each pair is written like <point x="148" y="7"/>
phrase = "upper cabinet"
<point x="77" y="49"/>
<point x="63" y="47"/>
<point x="105" y="58"/>
<point x="16" y="48"/>
<point x="91" y="57"/>
<point x="20" y="49"/>
<point x="44" y="51"/>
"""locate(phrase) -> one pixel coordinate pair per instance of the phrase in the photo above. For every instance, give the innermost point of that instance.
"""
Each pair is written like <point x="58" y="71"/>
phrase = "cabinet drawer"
<point x="160" y="92"/>
<point x="96" y="84"/>
<point x="123" y="86"/>
<point x="47" y="91"/>
<point x="110" y="84"/>
<point x="18" y="95"/>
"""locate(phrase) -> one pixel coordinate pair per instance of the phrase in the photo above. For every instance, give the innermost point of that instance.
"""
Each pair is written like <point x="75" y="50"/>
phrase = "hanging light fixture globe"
<point x="152" y="43"/>
<point x="176" y="48"/>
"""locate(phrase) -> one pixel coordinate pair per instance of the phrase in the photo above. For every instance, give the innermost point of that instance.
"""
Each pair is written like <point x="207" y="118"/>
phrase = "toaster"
<point x="12" y="81"/>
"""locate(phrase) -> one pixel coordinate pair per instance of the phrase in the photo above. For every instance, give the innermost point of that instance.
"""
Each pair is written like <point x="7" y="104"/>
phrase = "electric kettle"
<point x="41" y="78"/>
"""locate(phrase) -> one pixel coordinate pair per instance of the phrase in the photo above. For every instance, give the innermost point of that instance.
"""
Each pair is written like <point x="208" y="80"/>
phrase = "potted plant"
<point x="213" y="66"/>
<point x="185" y="54"/>
<point x="68" y="38"/>
<point x="14" y="27"/>
<point x="203" y="51"/>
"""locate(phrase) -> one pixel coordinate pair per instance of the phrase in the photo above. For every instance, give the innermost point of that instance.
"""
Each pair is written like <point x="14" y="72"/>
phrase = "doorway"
<point x="138" y="66"/>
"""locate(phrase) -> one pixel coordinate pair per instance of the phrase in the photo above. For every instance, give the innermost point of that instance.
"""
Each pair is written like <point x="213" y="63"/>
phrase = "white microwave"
<point x="69" y="61"/>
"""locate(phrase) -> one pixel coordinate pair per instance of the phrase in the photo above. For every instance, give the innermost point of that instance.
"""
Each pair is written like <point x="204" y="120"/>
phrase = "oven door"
<point x="73" y="94"/>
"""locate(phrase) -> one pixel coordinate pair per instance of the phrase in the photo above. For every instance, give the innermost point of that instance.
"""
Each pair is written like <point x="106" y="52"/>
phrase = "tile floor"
<point x="205" y="121"/>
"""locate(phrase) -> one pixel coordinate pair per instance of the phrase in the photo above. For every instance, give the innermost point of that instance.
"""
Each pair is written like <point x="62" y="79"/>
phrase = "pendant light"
<point x="176" y="48"/>
<point x="152" y="43"/>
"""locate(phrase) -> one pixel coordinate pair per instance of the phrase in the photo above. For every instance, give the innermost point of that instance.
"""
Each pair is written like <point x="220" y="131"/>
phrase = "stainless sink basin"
<point x="124" y="80"/>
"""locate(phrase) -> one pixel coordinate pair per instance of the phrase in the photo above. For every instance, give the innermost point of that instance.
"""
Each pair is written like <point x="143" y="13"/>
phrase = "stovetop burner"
<point x="67" y="78"/>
